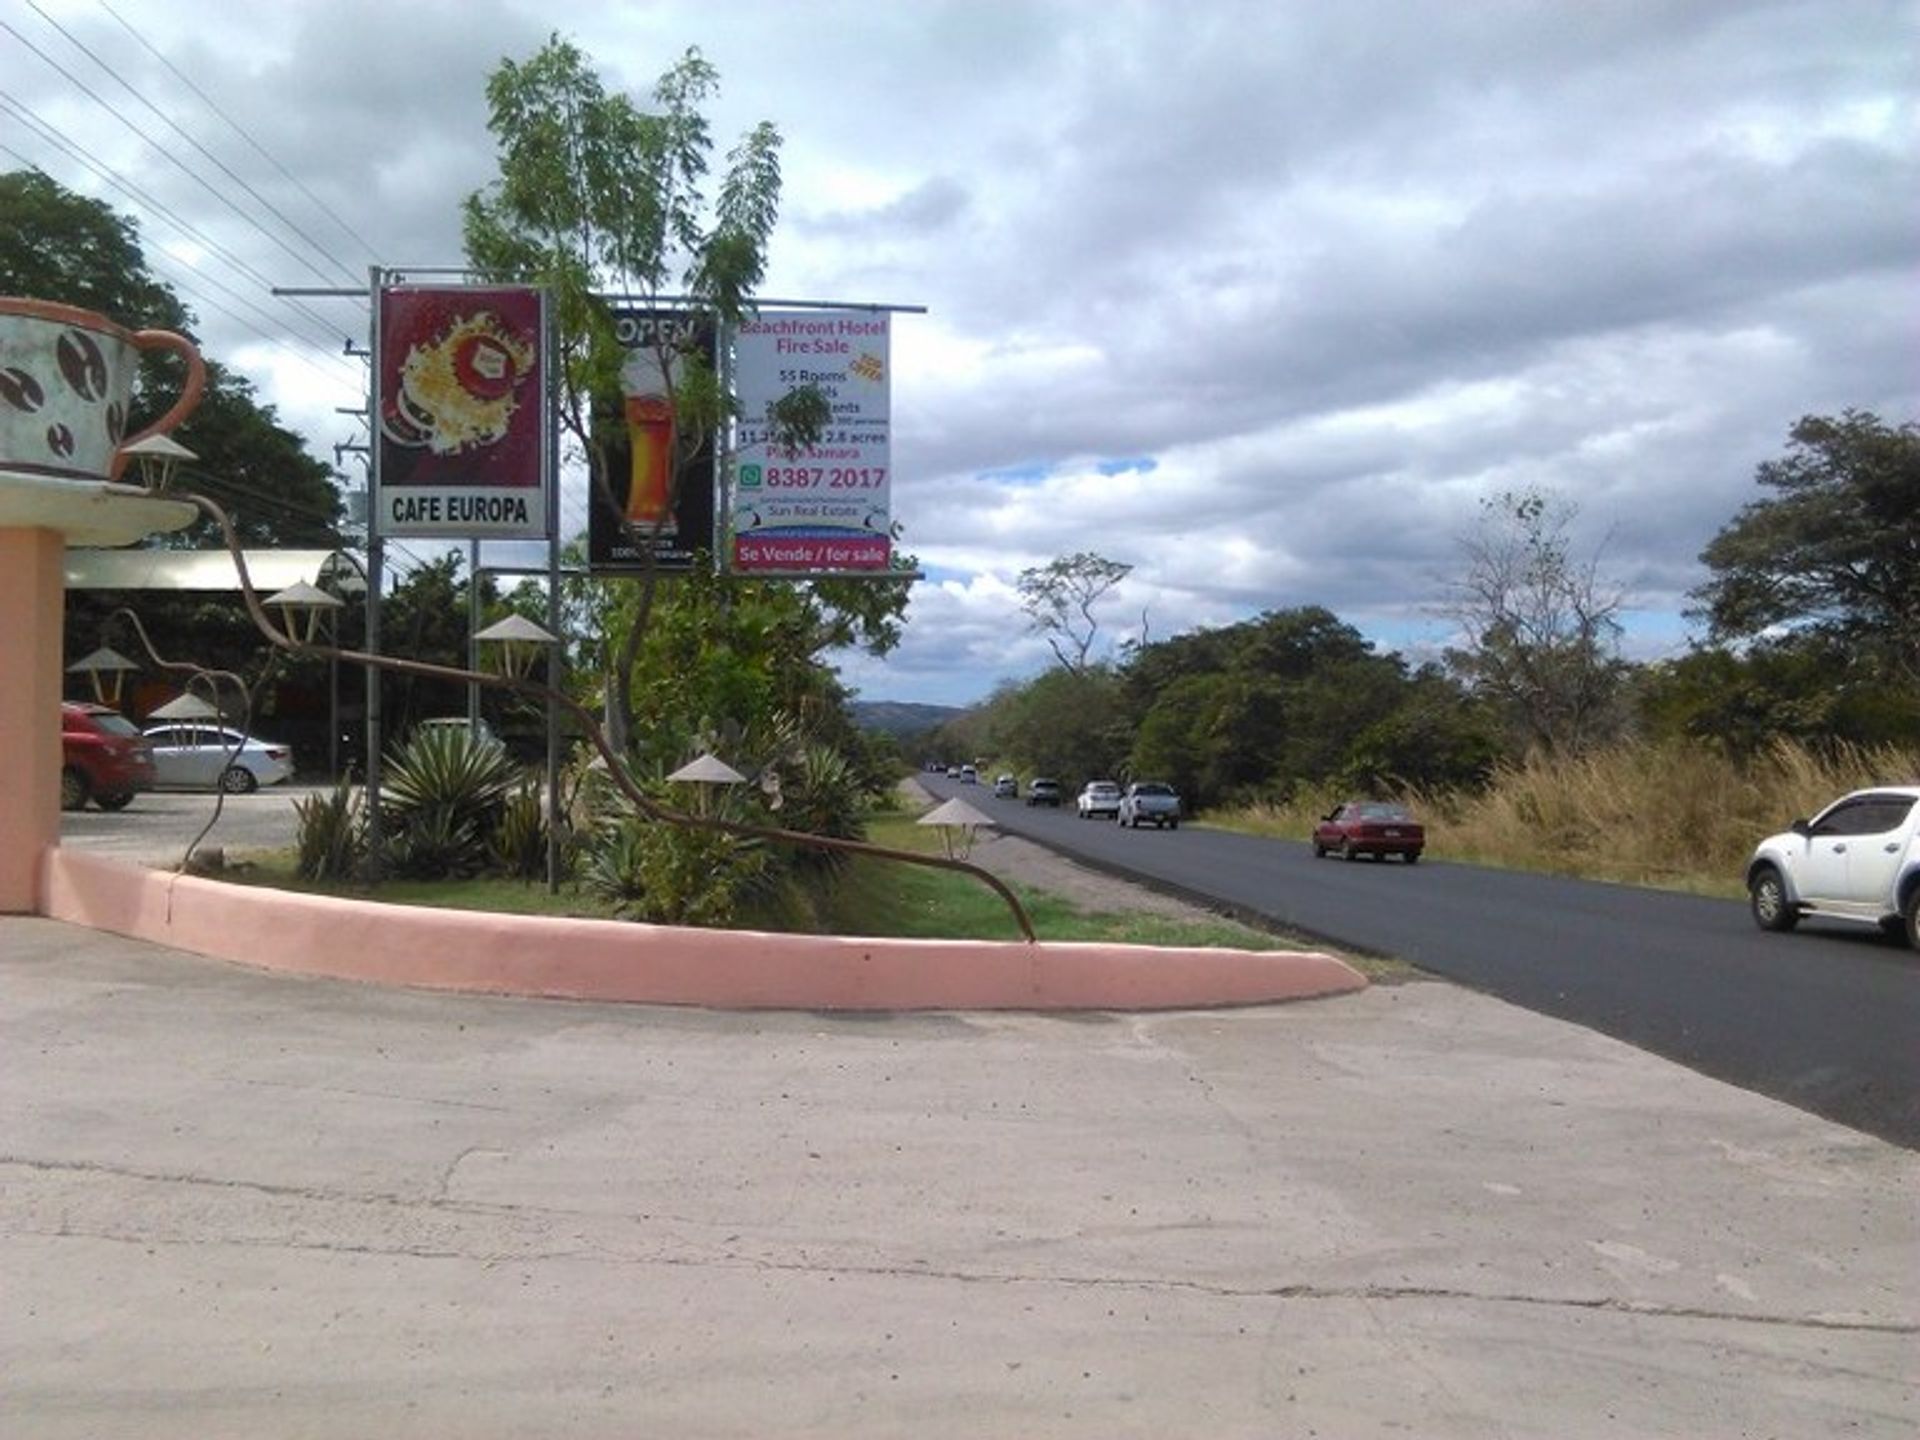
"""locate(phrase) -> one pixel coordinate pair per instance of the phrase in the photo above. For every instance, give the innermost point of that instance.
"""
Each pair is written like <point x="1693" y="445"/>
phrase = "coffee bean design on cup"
<point x="66" y="376"/>
<point x="20" y="390"/>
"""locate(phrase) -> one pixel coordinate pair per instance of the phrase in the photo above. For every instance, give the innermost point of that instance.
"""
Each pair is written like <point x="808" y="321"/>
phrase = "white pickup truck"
<point x="1149" y="802"/>
<point x="1858" y="859"/>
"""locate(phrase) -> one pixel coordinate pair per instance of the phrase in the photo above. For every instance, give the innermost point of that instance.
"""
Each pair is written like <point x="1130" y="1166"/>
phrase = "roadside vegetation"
<point x="1531" y="741"/>
<point x="865" y="896"/>
<point x="1679" y="815"/>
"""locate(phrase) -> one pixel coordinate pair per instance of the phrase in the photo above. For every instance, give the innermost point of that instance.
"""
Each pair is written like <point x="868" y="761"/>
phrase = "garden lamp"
<point x="303" y="601"/>
<point x="105" y="669"/>
<point x="520" y="640"/>
<point x="159" y="457"/>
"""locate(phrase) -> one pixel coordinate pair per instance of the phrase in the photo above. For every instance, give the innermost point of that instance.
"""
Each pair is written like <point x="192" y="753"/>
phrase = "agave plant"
<point x="519" y="844"/>
<point x="445" y="789"/>
<point x="331" y="837"/>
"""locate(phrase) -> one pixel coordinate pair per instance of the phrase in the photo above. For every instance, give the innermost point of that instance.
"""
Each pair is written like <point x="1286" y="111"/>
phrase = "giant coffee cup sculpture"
<point x="66" y="375"/>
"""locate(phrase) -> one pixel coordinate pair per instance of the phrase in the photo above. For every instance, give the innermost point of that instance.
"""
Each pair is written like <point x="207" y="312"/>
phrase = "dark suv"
<point x="103" y="758"/>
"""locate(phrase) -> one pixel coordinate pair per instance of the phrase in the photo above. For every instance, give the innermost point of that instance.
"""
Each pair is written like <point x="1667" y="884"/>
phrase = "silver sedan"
<point x="201" y="757"/>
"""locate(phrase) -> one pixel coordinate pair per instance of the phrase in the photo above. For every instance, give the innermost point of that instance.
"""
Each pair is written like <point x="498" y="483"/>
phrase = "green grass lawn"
<point x="873" y="896"/>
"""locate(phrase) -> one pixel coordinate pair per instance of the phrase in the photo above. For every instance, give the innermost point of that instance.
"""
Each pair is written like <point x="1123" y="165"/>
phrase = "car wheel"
<point x="1413" y="857"/>
<point x="1913" y="918"/>
<point x="1768" y="894"/>
<point x="238" y="780"/>
<point x="73" y="789"/>
<point x="1319" y="851"/>
<point x="119" y="800"/>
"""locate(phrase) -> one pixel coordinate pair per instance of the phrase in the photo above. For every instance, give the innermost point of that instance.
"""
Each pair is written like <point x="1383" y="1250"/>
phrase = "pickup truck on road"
<point x="1858" y="859"/>
<point x="1149" y="802"/>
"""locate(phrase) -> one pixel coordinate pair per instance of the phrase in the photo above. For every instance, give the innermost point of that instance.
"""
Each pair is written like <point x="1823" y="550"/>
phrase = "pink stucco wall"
<point x="32" y="603"/>
<point x="611" y="960"/>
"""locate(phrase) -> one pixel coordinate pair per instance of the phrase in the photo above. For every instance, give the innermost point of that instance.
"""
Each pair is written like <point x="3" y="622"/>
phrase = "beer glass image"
<point x="648" y="410"/>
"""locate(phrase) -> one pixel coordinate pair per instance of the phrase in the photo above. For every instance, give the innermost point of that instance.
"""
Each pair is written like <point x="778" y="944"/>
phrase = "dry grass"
<point x="1678" y="816"/>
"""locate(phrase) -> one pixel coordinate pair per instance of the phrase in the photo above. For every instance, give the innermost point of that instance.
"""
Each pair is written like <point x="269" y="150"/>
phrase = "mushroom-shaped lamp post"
<point x="956" y="821"/>
<point x="520" y="642"/>
<point x="707" y="770"/>
<point x="105" y="669"/>
<point x="301" y="605"/>
<point x="159" y="458"/>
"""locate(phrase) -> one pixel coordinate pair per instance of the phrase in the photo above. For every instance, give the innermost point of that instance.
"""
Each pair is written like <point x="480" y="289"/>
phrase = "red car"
<point x="103" y="757"/>
<point x="1370" y="827"/>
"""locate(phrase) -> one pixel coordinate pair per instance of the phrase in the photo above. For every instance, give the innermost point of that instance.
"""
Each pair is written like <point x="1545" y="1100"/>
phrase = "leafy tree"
<point x="1059" y="597"/>
<point x="1542" y="627"/>
<point x="597" y="195"/>
<point x="1807" y="688"/>
<point x="1065" y="724"/>
<point x="1833" y="555"/>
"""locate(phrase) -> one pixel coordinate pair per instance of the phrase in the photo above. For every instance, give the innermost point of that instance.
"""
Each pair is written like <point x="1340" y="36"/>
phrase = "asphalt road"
<point x="1827" y="1018"/>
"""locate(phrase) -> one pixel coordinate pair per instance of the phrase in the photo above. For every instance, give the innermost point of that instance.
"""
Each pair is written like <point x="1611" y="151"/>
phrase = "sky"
<point x="1266" y="300"/>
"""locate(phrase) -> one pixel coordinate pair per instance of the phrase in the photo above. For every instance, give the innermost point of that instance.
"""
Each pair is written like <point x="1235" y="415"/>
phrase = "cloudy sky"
<point x="1263" y="299"/>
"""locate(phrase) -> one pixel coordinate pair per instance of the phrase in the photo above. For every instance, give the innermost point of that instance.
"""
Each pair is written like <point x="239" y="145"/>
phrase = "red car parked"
<point x="1370" y="827"/>
<point x="104" y="758"/>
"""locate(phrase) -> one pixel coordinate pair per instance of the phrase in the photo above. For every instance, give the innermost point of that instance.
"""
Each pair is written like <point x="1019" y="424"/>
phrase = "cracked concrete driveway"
<point x="235" y="1203"/>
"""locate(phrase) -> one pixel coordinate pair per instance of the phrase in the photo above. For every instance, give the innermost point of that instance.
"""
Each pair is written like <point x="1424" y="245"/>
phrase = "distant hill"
<point x="893" y="717"/>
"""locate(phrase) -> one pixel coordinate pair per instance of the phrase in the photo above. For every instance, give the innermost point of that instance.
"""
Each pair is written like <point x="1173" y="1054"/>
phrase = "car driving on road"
<point x="1370" y="827"/>
<point x="1149" y="802"/>
<point x="1043" y="791"/>
<point x="1857" y="860"/>
<point x="1100" y="797"/>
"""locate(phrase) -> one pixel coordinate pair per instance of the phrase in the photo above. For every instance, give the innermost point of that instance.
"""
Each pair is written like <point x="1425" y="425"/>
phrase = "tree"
<point x="597" y="196"/>
<point x="1059" y="598"/>
<point x="1542" y="627"/>
<point x="1834" y="555"/>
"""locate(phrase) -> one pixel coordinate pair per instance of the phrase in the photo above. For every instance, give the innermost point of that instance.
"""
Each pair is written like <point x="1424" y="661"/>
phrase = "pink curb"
<point x="660" y="965"/>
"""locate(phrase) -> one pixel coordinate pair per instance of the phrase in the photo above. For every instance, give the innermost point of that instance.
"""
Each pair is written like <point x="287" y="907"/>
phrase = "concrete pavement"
<point x="237" y="1203"/>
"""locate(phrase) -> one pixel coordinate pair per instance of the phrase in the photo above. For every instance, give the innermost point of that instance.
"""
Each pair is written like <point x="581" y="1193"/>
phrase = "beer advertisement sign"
<point x="657" y="507"/>
<point x="460" y="398"/>
<point x="825" y="509"/>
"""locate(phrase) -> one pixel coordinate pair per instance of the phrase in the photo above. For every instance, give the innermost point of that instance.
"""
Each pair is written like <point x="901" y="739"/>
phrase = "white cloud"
<point x="1263" y="299"/>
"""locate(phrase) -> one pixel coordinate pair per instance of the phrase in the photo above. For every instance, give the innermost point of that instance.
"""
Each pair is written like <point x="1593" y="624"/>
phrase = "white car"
<point x="1100" y="797"/>
<point x="191" y="756"/>
<point x="1858" y="860"/>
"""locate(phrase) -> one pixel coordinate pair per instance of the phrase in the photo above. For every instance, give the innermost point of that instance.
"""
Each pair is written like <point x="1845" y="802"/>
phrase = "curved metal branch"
<point x="616" y="766"/>
<point x="213" y="678"/>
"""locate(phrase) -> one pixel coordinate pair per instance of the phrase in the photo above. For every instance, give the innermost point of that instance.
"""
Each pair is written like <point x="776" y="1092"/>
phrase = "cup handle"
<point x="189" y="396"/>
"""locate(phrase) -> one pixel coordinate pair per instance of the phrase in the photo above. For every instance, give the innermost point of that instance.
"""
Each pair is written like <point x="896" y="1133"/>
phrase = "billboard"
<point x="662" y="483"/>
<point x="460" y="391"/>
<point x="827" y="509"/>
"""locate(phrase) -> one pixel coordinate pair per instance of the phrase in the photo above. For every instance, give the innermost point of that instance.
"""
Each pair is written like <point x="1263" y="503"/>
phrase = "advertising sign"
<point x="460" y="389"/>
<point x="827" y="509"/>
<point x="663" y="486"/>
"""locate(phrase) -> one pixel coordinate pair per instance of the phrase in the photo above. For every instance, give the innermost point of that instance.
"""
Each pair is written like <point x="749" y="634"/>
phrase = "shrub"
<point x="675" y="874"/>
<point x="519" y="844"/>
<point x="331" y="837"/>
<point x="444" y="793"/>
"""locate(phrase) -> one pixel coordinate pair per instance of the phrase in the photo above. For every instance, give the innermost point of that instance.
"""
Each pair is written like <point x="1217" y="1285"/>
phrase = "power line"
<point x="168" y="156"/>
<point x="286" y="174"/>
<point x="158" y="210"/>
<point x="169" y="122"/>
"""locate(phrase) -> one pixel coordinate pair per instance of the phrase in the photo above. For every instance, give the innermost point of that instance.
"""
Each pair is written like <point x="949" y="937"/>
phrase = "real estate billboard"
<point x="824" y="509"/>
